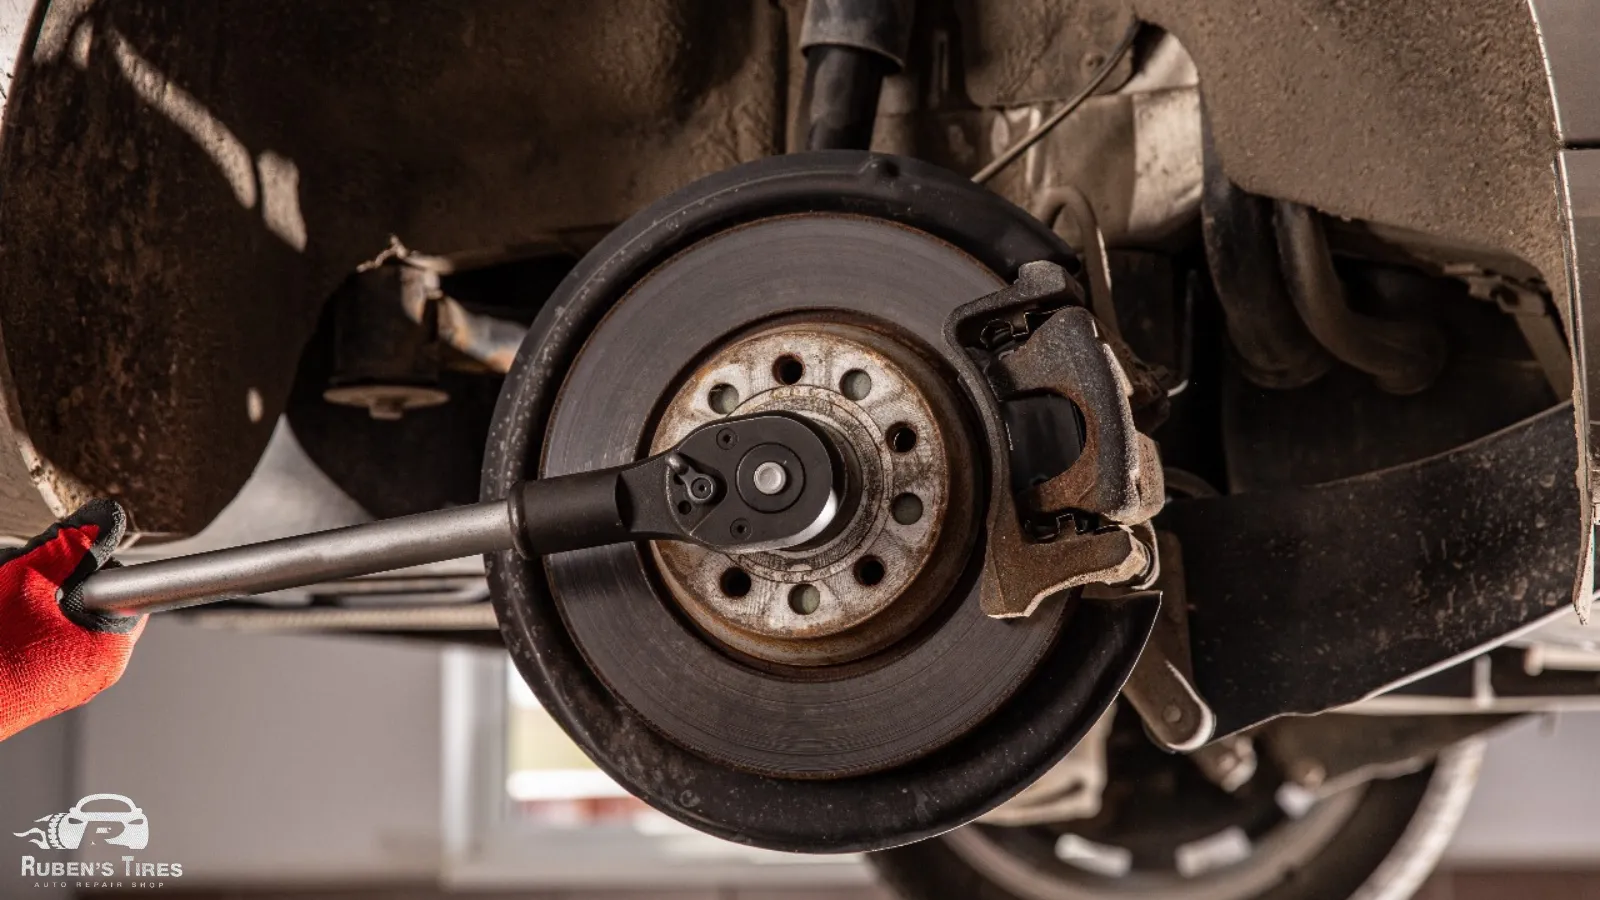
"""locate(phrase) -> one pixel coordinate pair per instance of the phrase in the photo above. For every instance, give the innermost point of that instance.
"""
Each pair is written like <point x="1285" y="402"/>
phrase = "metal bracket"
<point x="1540" y="328"/>
<point x="1161" y="688"/>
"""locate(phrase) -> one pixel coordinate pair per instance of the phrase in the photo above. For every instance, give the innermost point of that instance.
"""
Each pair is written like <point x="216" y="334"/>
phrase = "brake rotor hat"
<point x="908" y="522"/>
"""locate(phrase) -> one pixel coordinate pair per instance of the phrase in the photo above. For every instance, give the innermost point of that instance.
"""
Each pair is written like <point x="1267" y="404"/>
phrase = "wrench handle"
<point x="301" y="560"/>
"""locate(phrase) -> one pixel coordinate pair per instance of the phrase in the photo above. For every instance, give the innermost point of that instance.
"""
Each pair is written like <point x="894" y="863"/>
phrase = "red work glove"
<point x="54" y="654"/>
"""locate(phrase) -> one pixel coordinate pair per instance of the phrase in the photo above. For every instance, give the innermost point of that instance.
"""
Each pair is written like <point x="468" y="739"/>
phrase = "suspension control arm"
<point x="760" y="482"/>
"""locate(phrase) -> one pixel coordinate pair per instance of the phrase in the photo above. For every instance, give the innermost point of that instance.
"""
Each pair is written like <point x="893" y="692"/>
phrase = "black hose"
<point x="841" y="96"/>
<point x="850" y="47"/>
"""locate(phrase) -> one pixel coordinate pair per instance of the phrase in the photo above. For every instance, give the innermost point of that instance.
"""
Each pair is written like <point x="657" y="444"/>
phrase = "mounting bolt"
<point x="740" y="528"/>
<point x="727" y="439"/>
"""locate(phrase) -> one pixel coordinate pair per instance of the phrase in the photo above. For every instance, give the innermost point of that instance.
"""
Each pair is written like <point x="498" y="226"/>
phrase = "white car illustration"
<point x="105" y="819"/>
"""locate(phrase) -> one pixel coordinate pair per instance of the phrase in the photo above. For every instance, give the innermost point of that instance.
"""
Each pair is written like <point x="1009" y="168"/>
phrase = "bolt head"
<point x="770" y="478"/>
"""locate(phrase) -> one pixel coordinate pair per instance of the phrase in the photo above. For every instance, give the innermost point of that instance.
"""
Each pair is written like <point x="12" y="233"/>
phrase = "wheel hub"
<point x="907" y="522"/>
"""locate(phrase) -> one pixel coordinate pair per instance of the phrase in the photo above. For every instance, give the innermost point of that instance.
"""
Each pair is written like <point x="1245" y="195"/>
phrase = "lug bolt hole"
<point x="855" y="384"/>
<point x="735" y="582"/>
<point x="723" y="399"/>
<point x="902" y="437"/>
<point x="685" y="507"/>
<point x="788" y="369"/>
<point x="870" y="570"/>
<point x="804" y="599"/>
<point x="906" y="509"/>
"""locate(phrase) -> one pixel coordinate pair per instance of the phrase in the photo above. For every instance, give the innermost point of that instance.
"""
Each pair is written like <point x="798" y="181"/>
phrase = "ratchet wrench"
<point x="760" y="482"/>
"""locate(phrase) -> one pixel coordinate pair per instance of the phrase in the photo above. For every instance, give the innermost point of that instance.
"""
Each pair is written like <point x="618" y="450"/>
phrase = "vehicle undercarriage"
<point x="1209" y="380"/>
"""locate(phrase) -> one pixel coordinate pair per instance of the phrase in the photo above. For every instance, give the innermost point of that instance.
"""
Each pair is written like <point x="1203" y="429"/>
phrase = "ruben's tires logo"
<point x="96" y="819"/>
<point x="98" y="826"/>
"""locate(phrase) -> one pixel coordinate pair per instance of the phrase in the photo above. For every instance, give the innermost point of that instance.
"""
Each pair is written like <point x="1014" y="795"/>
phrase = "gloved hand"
<point x="54" y="654"/>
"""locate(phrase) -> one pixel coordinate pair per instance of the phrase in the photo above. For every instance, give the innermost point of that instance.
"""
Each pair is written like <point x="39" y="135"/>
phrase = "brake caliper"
<point x="1024" y="349"/>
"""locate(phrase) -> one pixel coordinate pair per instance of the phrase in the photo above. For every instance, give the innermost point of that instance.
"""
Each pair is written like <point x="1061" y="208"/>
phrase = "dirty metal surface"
<point x="876" y="576"/>
<point x="1431" y="115"/>
<point x="186" y="183"/>
<point x="28" y="502"/>
<point x="1020" y="53"/>
<point x="1307" y="598"/>
<point x="1117" y="475"/>
<point x="1135" y="154"/>
<point x="1120" y="474"/>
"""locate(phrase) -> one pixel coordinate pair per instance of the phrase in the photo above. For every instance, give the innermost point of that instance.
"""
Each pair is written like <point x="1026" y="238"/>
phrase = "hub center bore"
<point x="907" y="517"/>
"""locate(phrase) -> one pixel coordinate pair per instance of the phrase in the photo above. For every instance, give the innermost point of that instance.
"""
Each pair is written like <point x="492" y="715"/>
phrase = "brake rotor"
<point x="824" y="724"/>
<point x="853" y="694"/>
